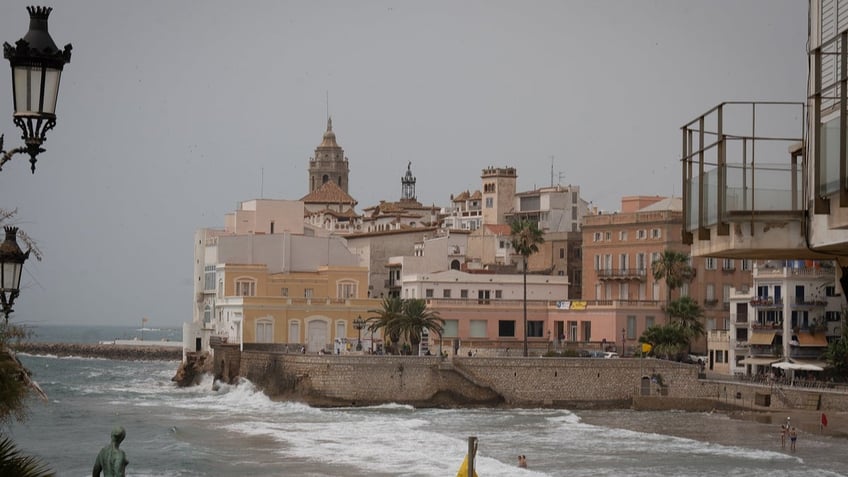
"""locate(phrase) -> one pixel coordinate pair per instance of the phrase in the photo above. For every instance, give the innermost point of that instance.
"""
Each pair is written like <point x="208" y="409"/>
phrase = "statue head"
<point x="118" y="434"/>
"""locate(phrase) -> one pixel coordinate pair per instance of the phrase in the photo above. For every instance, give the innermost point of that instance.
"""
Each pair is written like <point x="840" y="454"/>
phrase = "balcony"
<point x="743" y="181"/>
<point x="766" y="302"/>
<point x="638" y="274"/>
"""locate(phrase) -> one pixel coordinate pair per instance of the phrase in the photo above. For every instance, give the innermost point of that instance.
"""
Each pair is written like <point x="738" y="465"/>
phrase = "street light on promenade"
<point x="359" y="323"/>
<point x="12" y="260"/>
<point x="36" y="70"/>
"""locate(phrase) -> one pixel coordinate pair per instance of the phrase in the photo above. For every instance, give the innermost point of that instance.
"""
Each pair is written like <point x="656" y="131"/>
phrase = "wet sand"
<point x="804" y="420"/>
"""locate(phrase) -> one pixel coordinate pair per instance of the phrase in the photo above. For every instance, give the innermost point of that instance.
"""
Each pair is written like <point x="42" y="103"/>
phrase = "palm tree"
<point x="674" y="268"/>
<point x="417" y="318"/>
<point x="387" y="318"/>
<point x="526" y="238"/>
<point x="666" y="340"/>
<point x="687" y="314"/>
<point x="14" y="462"/>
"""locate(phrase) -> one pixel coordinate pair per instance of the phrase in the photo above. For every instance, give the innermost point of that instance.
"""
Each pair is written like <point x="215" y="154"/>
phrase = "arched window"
<point x="454" y="265"/>
<point x="325" y="179"/>
<point x="264" y="330"/>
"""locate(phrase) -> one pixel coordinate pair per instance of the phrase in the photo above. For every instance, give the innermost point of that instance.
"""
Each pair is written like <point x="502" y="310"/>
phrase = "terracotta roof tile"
<point x="328" y="193"/>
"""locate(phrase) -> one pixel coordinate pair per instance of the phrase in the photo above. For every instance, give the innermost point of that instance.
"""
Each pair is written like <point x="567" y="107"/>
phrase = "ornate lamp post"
<point x="623" y="338"/>
<point x="359" y="323"/>
<point x="36" y="70"/>
<point x="12" y="260"/>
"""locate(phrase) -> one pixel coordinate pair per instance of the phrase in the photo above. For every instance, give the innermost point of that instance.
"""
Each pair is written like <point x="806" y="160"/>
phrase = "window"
<point x="478" y="328"/>
<point x="207" y="314"/>
<point x="307" y="292"/>
<point x="684" y="289"/>
<point x="428" y="293"/>
<point x="345" y="290"/>
<point x="710" y="293"/>
<point x="727" y="264"/>
<point x="463" y="293"/>
<point x="446" y="293"/>
<point x="220" y="288"/>
<point x="561" y="253"/>
<point x="483" y="297"/>
<point x="622" y="235"/>
<point x="596" y="237"/>
<point x="597" y="262"/>
<point x="284" y="291"/>
<point x="640" y="234"/>
<point x="656" y="233"/>
<point x="640" y="261"/>
<point x="245" y="287"/>
<point x="623" y="291"/>
<point x="746" y="265"/>
<point x="209" y="277"/>
<point x="725" y="293"/>
<point x="608" y="236"/>
<point x="622" y="261"/>
<point x="264" y="331"/>
<point x="498" y="294"/>
<point x="489" y="202"/>
<point x="451" y="329"/>
<point x="631" y="327"/>
<point x="506" y="328"/>
<point x="649" y="321"/>
<point x="535" y="329"/>
<point x="710" y="263"/>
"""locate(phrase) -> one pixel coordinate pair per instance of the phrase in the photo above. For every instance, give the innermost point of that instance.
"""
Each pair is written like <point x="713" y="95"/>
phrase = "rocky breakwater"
<point x="108" y="351"/>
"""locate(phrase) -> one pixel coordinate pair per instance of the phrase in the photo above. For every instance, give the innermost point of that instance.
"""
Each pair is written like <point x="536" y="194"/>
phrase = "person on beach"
<point x="793" y="436"/>
<point x="782" y="436"/>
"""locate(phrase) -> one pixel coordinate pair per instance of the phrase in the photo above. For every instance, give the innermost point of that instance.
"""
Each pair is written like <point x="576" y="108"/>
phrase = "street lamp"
<point x="12" y="260"/>
<point x="623" y="337"/>
<point x="359" y="323"/>
<point x="36" y="70"/>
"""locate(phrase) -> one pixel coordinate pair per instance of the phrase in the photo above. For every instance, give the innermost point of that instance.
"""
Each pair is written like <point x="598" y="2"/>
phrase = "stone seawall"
<point x="108" y="351"/>
<point x="574" y="383"/>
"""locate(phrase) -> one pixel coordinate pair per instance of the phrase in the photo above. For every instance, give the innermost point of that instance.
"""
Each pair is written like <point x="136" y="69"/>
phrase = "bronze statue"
<point x="111" y="460"/>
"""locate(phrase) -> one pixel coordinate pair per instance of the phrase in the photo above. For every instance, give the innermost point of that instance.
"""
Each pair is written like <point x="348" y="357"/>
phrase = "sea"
<point x="236" y="430"/>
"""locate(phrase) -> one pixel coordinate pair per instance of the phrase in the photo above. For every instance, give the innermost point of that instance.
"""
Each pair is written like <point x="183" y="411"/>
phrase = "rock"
<point x="192" y="369"/>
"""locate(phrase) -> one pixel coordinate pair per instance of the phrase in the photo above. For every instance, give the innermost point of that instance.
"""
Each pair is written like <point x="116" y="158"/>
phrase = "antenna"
<point x="327" y="99"/>
<point x="261" y="182"/>
<point x="552" y="171"/>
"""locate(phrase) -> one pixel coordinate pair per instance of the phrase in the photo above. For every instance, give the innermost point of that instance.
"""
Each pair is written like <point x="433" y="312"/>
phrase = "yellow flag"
<point x="646" y="347"/>
<point x="463" y="469"/>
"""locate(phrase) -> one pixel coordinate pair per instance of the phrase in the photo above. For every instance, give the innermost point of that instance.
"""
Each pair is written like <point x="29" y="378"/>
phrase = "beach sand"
<point x="804" y="420"/>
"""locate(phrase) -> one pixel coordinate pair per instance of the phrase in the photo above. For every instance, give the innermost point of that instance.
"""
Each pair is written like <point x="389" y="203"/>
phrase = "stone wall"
<point x="108" y="351"/>
<point x="433" y="381"/>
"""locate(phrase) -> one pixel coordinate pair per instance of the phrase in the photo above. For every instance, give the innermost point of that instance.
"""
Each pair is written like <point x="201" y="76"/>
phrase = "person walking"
<point x="783" y="431"/>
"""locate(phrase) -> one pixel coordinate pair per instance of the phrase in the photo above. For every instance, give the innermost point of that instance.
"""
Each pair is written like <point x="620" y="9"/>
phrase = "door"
<point x="316" y="338"/>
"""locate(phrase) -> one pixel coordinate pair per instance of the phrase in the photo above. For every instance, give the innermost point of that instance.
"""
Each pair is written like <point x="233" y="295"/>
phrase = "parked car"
<point x="610" y="354"/>
<point x="697" y="359"/>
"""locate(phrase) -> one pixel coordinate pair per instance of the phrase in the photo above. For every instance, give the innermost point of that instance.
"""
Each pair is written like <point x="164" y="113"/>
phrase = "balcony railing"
<point x="736" y="167"/>
<point x="622" y="274"/>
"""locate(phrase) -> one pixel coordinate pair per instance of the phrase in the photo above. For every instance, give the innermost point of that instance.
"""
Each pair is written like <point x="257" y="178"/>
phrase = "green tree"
<point x="686" y="314"/>
<point x="667" y="341"/>
<point x="387" y="319"/>
<point x="13" y="462"/>
<point x="674" y="268"/>
<point x="526" y="238"/>
<point x="836" y="355"/>
<point x="416" y="318"/>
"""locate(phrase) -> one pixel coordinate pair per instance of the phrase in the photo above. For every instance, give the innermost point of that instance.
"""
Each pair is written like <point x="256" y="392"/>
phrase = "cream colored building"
<point x="256" y="281"/>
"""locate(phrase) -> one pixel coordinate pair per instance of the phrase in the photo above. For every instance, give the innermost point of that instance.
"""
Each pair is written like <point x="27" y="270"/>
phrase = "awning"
<point x="806" y="339"/>
<point x="798" y="366"/>
<point x="762" y="338"/>
<point x="759" y="361"/>
<point x="811" y="363"/>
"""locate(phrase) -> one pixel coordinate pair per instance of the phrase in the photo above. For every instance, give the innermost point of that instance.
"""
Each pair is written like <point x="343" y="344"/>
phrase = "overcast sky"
<point x="169" y="112"/>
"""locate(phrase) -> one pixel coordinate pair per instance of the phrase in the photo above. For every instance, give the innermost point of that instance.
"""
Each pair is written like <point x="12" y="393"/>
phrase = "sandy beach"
<point x="804" y="420"/>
